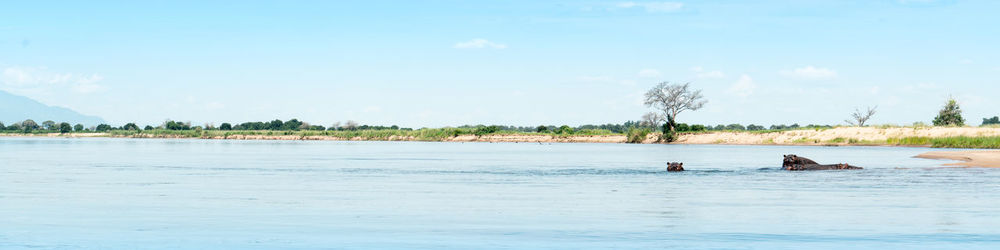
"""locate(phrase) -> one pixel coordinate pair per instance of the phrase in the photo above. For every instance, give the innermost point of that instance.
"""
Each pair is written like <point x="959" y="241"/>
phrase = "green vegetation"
<point x="984" y="142"/>
<point x="637" y="135"/>
<point x="991" y="121"/>
<point x="950" y="115"/>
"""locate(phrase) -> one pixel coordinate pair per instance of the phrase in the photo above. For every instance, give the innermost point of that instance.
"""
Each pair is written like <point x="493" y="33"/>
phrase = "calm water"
<point x="148" y="193"/>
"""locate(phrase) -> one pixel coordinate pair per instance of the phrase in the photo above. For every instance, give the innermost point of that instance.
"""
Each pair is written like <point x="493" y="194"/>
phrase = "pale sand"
<point x="871" y="135"/>
<point x="979" y="158"/>
<point x="835" y="136"/>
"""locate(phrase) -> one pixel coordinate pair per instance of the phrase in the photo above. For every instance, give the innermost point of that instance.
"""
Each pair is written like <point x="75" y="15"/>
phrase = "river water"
<point x="103" y="193"/>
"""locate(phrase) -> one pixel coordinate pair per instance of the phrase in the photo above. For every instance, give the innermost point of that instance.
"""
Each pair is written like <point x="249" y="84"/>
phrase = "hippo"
<point x="675" y="166"/>
<point x="798" y="163"/>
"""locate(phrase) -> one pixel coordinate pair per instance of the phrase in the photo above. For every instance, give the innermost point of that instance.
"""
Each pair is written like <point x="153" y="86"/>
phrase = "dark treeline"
<point x="295" y="125"/>
<point x="28" y="126"/>
<point x="991" y="121"/>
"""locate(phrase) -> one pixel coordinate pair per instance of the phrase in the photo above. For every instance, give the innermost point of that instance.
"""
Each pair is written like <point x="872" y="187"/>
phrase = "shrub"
<point x="950" y="115"/>
<point x="637" y="135"/>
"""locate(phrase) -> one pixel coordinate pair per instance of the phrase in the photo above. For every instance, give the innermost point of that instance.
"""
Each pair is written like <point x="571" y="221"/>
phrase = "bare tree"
<point x="350" y="125"/>
<point x="859" y="118"/>
<point x="672" y="99"/>
<point x="335" y="125"/>
<point x="651" y="119"/>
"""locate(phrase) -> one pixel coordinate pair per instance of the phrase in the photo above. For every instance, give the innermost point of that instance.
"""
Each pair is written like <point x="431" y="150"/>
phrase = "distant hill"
<point x="14" y="108"/>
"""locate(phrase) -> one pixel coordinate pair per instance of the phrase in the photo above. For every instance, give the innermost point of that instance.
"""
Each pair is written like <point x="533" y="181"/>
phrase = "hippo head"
<point x="675" y="166"/>
<point x="791" y="159"/>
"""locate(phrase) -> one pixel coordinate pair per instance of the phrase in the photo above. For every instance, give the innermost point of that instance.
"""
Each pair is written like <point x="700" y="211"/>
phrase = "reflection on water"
<point x="124" y="194"/>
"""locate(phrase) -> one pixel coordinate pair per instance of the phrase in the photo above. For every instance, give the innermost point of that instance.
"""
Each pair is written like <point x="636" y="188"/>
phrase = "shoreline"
<point x="967" y="159"/>
<point x="839" y="136"/>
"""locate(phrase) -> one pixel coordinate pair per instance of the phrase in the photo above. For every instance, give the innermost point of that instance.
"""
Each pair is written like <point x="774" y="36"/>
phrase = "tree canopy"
<point x="950" y="115"/>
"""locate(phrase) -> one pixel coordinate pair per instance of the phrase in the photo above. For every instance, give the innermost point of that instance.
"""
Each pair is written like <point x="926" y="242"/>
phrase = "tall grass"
<point x="984" y="142"/>
<point x="425" y="134"/>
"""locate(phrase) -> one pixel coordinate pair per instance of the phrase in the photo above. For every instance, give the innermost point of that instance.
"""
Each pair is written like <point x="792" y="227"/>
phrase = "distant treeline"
<point x="30" y="126"/>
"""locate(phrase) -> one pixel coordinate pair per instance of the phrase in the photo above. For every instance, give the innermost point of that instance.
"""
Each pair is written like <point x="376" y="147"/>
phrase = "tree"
<point x="350" y="125"/>
<point x="49" y="125"/>
<point x="858" y="118"/>
<point x="130" y="126"/>
<point x="541" y="129"/>
<point x="102" y="128"/>
<point x="65" y="128"/>
<point x="275" y="125"/>
<point x="950" y="115"/>
<point x="672" y="99"/>
<point x="651" y="120"/>
<point x="293" y="124"/>
<point x="991" y="121"/>
<point x="2" y="127"/>
<point x="78" y="127"/>
<point x="226" y="126"/>
<point x="29" y="125"/>
<point x="564" y="129"/>
<point x="147" y="127"/>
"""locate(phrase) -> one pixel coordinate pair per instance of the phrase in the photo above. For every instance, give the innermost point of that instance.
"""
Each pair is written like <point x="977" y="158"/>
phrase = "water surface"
<point x="102" y="193"/>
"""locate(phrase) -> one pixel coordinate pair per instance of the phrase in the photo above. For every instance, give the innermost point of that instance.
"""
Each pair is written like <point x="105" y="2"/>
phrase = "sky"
<point x="448" y="63"/>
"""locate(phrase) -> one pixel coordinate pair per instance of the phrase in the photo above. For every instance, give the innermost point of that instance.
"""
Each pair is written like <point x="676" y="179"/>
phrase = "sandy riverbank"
<point x="980" y="158"/>
<point x="835" y="136"/>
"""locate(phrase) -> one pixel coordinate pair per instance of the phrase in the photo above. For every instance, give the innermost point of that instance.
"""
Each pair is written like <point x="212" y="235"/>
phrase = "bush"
<point x="682" y="127"/>
<point x="991" y="121"/>
<point x="950" y="115"/>
<point x="480" y="131"/>
<point x="637" y="135"/>
<point x="541" y="129"/>
<point x="564" y="129"/>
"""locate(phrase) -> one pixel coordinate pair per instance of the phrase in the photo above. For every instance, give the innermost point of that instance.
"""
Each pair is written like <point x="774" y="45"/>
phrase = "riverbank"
<point x="940" y="137"/>
<point x="985" y="158"/>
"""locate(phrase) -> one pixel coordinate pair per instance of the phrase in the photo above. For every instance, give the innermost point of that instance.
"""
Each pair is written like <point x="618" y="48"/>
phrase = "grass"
<point x="425" y="134"/>
<point x="982" y="142"/>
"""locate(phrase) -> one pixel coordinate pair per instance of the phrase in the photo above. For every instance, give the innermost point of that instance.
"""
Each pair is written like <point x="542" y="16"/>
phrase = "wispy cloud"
<point x="704" y="74"/>
<point x="479" y="43"/>
<point x="649" y="73"/>
<point x="652" y="6"/>
<point x="40" y="78"/>
<point x="810" y="72"/>
<point x="606" y="79"/>
<point x="743" y="87"/>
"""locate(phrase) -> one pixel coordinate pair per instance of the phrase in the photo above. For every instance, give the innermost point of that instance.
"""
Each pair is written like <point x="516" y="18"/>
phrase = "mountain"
<point x="14" y="108"/>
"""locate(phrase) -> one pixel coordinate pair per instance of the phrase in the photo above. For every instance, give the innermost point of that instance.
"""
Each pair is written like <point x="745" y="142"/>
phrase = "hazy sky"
<point x="439" y="63"/>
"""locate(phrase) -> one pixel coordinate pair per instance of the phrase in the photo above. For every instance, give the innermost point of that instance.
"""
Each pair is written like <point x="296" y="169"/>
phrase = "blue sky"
<point x="441" y="63"/>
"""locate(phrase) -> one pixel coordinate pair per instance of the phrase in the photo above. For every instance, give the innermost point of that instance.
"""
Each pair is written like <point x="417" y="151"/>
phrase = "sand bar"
<point x="974" y="158"/>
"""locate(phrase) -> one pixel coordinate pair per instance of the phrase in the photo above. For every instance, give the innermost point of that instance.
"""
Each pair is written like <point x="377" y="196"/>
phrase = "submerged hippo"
<point x="675" y="166"/>
<point x="797" y="163"/>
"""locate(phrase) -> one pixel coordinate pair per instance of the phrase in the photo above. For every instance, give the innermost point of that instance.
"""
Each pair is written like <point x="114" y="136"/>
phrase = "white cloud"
<point x="652" y="6"/>
<point x="479" y="43"/>
<point x="743" y="87"/>
<point x="372" y="109"/>
<point x="606" y="79"/>
<point x="41" y="79"/>
<point x="649" y="73"/>
<point x="810" y="72"/>
<point x="596" y="79"/>
<point x="214" y="105"/>
<point x="88" y="84"/>
<point x="701" y="73"/>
